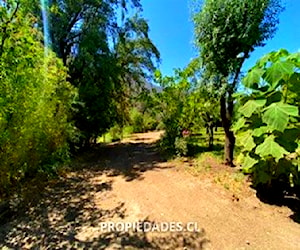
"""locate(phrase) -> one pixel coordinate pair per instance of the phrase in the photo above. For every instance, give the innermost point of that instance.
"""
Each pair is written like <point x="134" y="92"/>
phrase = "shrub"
<point x="35" y="101"/>
<point x="116" y="133"/>
<point x="269" y="128"/>
<point x="142" y="122"/>
<point x="181" y="146"/>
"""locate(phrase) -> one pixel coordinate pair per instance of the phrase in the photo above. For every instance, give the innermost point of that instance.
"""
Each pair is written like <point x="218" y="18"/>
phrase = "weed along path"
<point x="121" y="187"/>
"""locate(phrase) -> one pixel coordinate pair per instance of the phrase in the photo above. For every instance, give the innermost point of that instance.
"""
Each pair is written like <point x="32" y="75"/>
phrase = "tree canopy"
<point x="99" y="55"/>
<point x="107" y="57"/>
<point x="226" y="32"/>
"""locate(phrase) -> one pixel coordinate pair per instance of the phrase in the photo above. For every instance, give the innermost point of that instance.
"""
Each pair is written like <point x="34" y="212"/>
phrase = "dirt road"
<point x="131" y="182"/>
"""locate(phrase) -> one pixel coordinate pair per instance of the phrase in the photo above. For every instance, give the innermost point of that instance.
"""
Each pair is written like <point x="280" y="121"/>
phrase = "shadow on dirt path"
<point x="278" y="199"/>
<point x="129" y="160"/>
<point x="130" y="182"/>
<point x="66" y="215"/>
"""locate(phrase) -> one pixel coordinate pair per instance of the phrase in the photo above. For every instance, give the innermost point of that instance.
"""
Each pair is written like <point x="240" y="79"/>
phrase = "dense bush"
<point x="181" y="146"/>
<point x="185" y="105"/>
<point x="269" y="127"/>
<point x="142" y="122"/>
<point x="35" y="100"/>
<point x="116" y="133"/>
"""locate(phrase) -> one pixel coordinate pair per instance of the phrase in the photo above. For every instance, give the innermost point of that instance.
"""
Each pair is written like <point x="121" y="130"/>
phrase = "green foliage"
<point x="107" y="58"/>
<point x="226" y="32"/>
<point x="226" y="28"/>
<point x="269" y="129"/>
<point x="137" y="120"/>
<point x="176" y="107"/>
<point x="185" y="104"/>
<point x="142" y="122"/>
<point x="181" y="146"/>
<point x="35" y="101"/>
<point x="116" y="133"/>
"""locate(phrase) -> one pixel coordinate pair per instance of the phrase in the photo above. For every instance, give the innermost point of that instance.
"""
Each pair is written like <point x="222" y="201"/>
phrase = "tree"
<point x="135" y="56"/>
<point x="174" y="107"/>
<point x="226" y="32"/>
<point x="105" y="58"/>
<point x="208" y="108"/>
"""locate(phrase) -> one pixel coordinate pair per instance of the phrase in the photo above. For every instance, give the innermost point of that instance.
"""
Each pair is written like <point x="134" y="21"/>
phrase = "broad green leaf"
<point x="274" y="96"/>
<point x="240" y="124"/>
<point x="278" y="71"/>
<point x="253" y="77"/>
<point x="260" y="131"/>
<point x="249" y="107"/>
<point x="240" y="158"/>
<point x="295" y="83"/>
<point x="289" y="138"/>
<point x="246" y="140"/>
<point x="272" y="148"/>
<point x="263" y="60"/>
<point x="248" y="163"/>
<point x="295" y="57"/>
<point x="294" y="119"/>
<point x="289" y="109"/>
<point x="263" y="177"/>
<point x="237" y="95"/>
<point x="277" y="115"/>
<point x="279" y="54"/>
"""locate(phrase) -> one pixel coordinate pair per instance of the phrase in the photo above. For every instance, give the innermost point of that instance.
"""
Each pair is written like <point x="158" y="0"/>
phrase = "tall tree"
<point x="105" y="50"/>
<point x="226" y="32"/>
<point x="134" y="53"/>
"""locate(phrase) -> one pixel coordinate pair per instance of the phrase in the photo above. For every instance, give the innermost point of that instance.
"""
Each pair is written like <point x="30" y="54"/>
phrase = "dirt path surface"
<point x="131" y="182"/>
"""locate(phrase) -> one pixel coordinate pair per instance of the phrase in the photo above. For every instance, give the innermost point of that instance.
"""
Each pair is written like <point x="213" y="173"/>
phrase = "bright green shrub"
<point x="116" y="133"/>
<point x="35" y="101"/>
<point x="137" y="121"/>
<point x="142" y="122"/>
<point x="269" y="128"/>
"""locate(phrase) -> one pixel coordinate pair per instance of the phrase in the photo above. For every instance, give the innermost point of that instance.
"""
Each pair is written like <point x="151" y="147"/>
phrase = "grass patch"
<point x="198" y="144"/>
<point x="208" y="165"/>
<point x="115" y="134"/>
<point x="205" y="161"/>
<point x="234" y="182"/>
<point x="208" y="162"/>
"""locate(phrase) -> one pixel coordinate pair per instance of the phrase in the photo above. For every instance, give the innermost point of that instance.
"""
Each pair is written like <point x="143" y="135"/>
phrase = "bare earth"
<point x="131" y="182"/>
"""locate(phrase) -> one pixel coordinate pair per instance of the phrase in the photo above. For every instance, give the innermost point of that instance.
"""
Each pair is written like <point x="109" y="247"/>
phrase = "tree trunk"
<point x="226" y="103"/>
<point x="211" y="136"/>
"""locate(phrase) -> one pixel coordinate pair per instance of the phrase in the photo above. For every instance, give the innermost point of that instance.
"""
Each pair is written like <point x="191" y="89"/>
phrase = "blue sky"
<point x="171" y="30"/>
